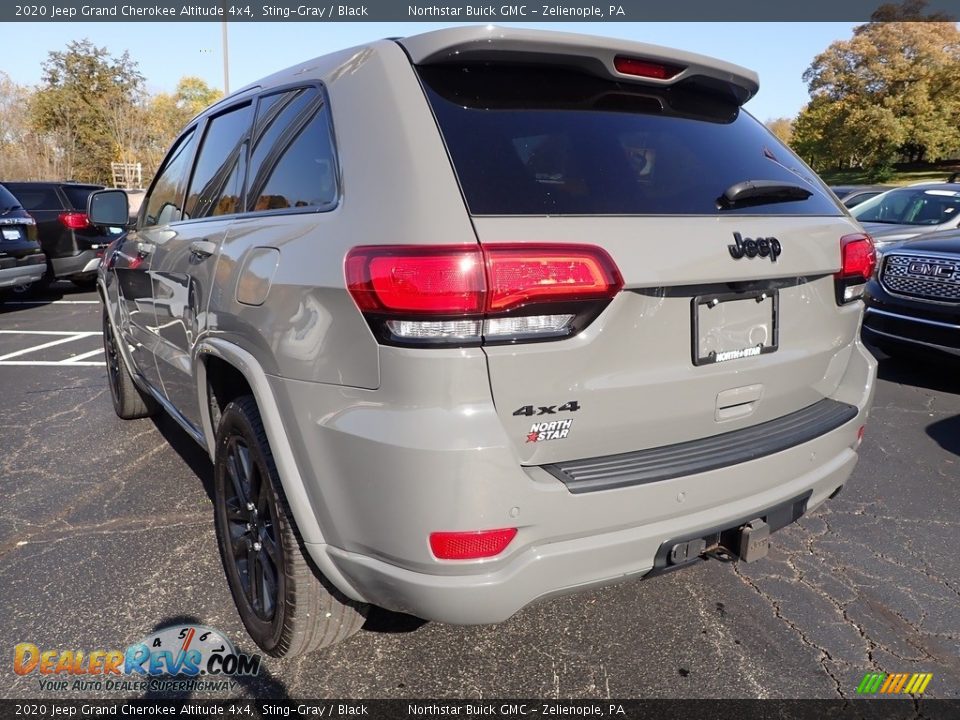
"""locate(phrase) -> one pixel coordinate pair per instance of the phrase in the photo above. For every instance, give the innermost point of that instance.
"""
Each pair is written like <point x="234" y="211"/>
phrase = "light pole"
<point x="226" y="59"/>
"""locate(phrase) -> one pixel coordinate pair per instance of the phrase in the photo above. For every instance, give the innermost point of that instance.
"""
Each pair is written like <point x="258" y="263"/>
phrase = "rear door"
<point x="184" y="261"/>
<point x="728" y="316"/>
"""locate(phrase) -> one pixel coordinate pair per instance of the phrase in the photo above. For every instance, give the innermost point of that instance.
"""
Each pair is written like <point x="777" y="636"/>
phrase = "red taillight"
<point x="522" y="274"/>
<point x="470" y="545"/>
<point x="858" y="260"/>
<point x="646" y="68"/>
<point x="75" y="220"/>
<point x="450" y="280"/>
<point x="404" y="280"/>
<point x="858" y="256"/>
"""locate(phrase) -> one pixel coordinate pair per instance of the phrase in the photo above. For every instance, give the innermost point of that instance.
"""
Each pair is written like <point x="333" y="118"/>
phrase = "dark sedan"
<point x="913" y="300"/>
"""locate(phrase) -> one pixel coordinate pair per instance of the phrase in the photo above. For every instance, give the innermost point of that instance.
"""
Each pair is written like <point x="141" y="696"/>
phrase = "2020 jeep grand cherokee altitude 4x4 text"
<point x="482" y="316"/>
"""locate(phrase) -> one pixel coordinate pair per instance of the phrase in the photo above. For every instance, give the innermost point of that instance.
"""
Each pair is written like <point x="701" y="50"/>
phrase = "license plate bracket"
<point x="734" y="325"/>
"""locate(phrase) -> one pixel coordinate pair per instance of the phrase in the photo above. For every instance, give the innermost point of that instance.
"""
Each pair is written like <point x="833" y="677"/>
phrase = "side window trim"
<point x="324" y="102"/>
<point x="182" y="137"/>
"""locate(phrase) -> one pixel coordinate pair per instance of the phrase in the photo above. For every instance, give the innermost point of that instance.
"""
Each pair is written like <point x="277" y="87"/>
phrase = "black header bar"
<point x="456" y="12"/>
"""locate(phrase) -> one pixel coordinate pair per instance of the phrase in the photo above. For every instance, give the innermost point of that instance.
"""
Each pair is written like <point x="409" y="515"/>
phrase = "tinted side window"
<point x="77" y="195"/>
<point x="216" y="187"/>
<point x="163" y="205"/>
<point x="37" y="198"/>
<point x="292" y="164"/>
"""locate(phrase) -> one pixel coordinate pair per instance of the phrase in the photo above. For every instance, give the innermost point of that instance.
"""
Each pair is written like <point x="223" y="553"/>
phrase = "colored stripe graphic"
<point x="897" y="683"/>
<point x="870" y="683"/>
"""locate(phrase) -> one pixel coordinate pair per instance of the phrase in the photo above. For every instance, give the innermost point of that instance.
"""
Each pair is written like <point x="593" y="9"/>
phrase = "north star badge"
<point x="554" y="430"/>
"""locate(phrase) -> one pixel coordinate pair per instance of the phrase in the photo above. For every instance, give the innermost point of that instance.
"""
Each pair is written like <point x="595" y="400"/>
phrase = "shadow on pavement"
<point x="932" y="372"/>
<point x="946" y="433"/>
<point x="187" y="448"/>
<point x="12" y="301"/>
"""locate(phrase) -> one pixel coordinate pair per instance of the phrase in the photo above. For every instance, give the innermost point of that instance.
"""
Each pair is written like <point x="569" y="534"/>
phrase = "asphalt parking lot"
<point x="107" y="532"/>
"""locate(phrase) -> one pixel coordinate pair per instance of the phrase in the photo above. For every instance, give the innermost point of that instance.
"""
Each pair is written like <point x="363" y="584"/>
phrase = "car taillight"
<point x="471" y="545"/>
<point x="75" y="220"/>
<point x="645" y="68"/>
<point x="468" y="294"/>
<point x="858" y="260"/>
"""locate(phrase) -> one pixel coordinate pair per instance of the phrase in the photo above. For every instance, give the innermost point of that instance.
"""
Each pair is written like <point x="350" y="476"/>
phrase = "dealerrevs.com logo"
<point x="178" y="658"/>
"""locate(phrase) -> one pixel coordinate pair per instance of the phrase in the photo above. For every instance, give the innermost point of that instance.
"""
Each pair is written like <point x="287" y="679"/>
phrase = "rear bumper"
<point x="83" y="263"/>
<point x="545" y="569"/>
<point x="22" y="274"/>
<point x="382" y="477"/>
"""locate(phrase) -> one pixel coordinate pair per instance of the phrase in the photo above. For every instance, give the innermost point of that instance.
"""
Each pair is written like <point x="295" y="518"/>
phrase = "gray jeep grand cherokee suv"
<point x="482" y="316"/>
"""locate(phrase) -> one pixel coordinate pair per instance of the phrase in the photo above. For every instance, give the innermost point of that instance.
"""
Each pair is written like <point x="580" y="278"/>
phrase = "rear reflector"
<point x="858" y="260"/>
<point x="646" y="68"/>
<point x="470" y="545"/>
<point x="74" y="220"/>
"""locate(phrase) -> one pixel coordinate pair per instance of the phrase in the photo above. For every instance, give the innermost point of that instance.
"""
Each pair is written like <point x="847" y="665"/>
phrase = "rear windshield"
<point x="7" y="200"/>
<point x="77" y="195"/>
<point x="547" y="141"/>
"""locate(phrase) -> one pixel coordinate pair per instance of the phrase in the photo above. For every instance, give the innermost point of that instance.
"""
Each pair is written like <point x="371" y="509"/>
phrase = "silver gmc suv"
<point x="483" y="316"/>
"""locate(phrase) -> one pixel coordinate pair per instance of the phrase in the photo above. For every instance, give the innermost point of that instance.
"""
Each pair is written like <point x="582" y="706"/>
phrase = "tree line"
<point x="889" y="94"/>
<point x="91" y="109"/>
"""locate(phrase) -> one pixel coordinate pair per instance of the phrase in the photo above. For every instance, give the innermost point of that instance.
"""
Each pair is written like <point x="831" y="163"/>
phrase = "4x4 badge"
<point x="764" y="247"/>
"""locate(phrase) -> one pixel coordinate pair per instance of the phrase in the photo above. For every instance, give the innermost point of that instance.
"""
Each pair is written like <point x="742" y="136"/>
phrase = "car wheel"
<point x="129" y="402"/>
<point x="287" y="606"/>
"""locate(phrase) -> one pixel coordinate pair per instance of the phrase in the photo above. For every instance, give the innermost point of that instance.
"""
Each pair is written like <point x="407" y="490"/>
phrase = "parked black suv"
<point x="21" y="261"/>
<point x="913" y="301"/>
<point x="72" y="245"/>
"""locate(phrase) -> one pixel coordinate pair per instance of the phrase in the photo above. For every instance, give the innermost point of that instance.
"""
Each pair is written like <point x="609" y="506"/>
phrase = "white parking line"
<point x="50" y="363"/>
<point x="50" y="302"/>
<point x="45" y="332"/>
<point x="82" y="356"/>
<point x="62" y="338"/>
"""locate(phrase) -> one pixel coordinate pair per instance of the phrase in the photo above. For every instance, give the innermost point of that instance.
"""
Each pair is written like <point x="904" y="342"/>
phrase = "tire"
<point x="129" y="402"/>
<point x="286" y="605"/>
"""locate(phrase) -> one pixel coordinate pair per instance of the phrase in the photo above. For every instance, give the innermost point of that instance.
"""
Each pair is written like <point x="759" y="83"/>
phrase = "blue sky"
<point x="780" y="52"/>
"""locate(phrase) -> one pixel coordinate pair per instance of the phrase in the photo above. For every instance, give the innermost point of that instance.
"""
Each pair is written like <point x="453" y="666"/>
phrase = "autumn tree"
<point x="168" y="113"/>
<point x="891" y="91"/>
<point x="82" y="89"/>
<point x="782" y="127"/>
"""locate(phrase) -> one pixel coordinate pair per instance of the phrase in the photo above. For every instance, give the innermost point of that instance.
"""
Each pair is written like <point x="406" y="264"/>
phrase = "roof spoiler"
<point x="595" y="55"/>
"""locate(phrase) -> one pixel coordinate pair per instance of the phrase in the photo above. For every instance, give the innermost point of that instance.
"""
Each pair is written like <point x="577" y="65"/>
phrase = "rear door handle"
<point x="202" y="249"/>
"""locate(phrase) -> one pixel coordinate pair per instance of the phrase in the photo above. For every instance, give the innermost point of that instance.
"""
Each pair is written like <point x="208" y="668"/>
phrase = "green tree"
<point x="891" y="91"/>
<point x="82" y="89"/>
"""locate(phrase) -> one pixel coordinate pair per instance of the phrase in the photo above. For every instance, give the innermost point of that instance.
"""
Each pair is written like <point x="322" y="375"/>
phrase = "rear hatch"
<point x="729" y="314"/>
<point x="18" y="245"/>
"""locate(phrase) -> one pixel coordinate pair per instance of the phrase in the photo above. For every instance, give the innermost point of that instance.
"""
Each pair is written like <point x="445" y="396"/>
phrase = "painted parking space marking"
<point x="62" y="337"/>
<point x="50" y="302"/>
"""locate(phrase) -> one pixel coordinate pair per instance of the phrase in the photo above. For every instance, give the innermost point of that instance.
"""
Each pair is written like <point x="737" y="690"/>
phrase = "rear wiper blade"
<point x="760" y="192"/>
<point x="5" y="210"/>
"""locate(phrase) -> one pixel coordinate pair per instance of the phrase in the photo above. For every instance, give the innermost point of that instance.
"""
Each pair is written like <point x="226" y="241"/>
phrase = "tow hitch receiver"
<point x="754" y="540"/>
